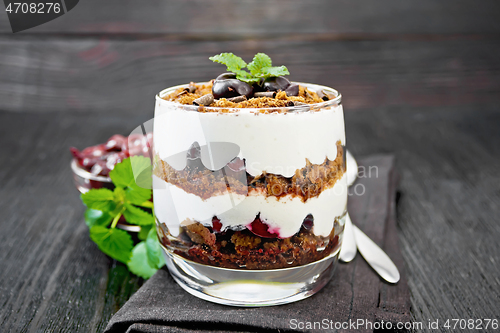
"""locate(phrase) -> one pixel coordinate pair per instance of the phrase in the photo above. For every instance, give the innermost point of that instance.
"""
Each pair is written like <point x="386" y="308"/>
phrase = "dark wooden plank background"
<point x="223" y="18"/>
<point x="419" y="79"/>
<point x="98" y="75"/>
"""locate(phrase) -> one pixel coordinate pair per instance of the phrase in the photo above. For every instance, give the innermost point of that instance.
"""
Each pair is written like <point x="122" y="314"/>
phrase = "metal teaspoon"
<point x="348" y="250"/>
<point x="354" y="237"/>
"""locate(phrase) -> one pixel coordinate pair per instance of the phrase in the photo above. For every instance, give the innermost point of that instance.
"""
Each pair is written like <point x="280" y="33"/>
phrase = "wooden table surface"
<point x="418" y="80"/>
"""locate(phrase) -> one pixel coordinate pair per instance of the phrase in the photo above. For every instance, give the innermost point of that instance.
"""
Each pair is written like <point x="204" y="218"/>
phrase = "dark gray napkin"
<point x="355" y="291"/>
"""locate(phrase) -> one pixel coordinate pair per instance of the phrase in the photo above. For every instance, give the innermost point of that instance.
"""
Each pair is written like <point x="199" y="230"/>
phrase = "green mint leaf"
<point x="275" y="71"/>
<point x="125" y="173"/>
<point x="97" y="217"/>
<point x="133" y="174"/>
<point x="143" y="171"/>
<point x="143" y="234"/>
<point x="144" y="179"/>
<point x="232" y="62"/>
<point x="122" y="174"/>
<point x="242" y="73"/>
<point x="100" y="199"/>
<point x="154" y="251"/>
<point x="135" y="215"/>
<point x="248" y="79"/>
<point x="115" y="243"/>
<point x="137" y="195"/>
<point x="119" y="194"/>
<point x="117" y="210"/>
<point x="260" y="61"/>
<point x="245" y="77"/>
<point x="139" y="264"/>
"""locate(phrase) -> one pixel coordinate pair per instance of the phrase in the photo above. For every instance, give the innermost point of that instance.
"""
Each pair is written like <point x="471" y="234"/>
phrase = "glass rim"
<point x="79" y="171"/>
<point x="289" y="109"/>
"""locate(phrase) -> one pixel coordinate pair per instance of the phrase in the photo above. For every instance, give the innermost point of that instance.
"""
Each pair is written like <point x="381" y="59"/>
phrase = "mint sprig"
<point x="259" y="63"/>
<point x="114" y="242"/>
<point x="260" y="68"/>
<point x="130" y="199"/>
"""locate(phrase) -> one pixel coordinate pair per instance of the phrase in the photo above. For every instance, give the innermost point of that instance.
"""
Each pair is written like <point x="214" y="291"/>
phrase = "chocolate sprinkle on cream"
<point x="204" y="100"/>
<point x="323" y="96"/>
<point x="191" y="88"/>
<point x="271" y="94"/>
<point x="237" y="99"/>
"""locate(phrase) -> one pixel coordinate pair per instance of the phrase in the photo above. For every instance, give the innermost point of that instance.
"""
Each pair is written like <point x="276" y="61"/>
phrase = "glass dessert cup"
<point x="250" y="204"/>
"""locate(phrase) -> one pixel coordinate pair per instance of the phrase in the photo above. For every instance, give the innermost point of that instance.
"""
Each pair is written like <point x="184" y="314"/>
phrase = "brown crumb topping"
<point x="281" y="100"/>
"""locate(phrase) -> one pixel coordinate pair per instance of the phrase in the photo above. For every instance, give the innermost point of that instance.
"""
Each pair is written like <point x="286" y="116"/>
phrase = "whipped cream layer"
<point x="277" y="143"/>
<point x="284" y="216"/>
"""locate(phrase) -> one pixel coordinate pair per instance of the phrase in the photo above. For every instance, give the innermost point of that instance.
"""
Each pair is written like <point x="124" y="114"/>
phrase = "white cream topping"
<point x="277" y="143"/>
<point x="284" y="216"/>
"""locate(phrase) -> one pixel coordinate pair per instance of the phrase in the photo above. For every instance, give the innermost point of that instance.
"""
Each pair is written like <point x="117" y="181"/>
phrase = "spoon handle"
<point x="348" y="250"/>
<point x="376" y="257"/>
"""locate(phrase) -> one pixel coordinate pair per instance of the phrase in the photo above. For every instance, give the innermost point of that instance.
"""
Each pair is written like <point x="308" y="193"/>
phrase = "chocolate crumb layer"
<point x="307" y="182"/>
<point x="281" y="99"/>
<point x="243" y="249"/>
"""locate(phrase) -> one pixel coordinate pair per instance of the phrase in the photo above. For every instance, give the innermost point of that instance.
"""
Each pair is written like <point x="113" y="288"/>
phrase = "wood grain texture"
<point x="52" y="275"/>
<point x="283" y="17"/>
<point x="47" y="74"/>
<point x="449" y="205"/>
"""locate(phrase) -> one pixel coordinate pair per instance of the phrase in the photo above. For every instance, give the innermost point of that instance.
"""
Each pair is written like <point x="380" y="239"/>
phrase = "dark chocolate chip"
<point x="292" y="90"/>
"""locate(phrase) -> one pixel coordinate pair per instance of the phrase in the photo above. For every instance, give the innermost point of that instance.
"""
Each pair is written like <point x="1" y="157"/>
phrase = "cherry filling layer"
<point x="253" y="247"/>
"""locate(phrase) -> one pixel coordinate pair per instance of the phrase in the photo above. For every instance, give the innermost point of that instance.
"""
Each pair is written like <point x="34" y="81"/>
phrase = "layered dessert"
<point x="250" y="175"/>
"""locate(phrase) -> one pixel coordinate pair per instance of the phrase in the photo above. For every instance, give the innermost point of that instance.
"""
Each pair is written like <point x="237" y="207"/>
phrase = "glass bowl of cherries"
<point x="91" y="166"/>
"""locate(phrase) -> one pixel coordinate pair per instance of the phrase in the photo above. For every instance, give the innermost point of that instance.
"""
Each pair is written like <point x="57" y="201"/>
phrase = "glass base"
<point x="251" y="288"/>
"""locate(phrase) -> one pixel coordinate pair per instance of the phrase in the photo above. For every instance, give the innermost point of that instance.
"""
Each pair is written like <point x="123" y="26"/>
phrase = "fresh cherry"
<point x="89" y="162"/>
<point x="115" y="158"/>
<point x="216" y="224"/>
<point x="236" y="164"/>
<point x="139" y="144"/>
<point x="261" y="229"/>
<point x="236" y="169"/>
<point x="275" y="83"/>
<point x="94" y="151"/>
<point x="100" y="159"/>
<point x="308" y="222"/>
<point x="100" y="168"/>
<point x="76" y="154"/>
<point x="116" y="143"/>
<point x="193" y="159"/>
<point x="226" y="86"/>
